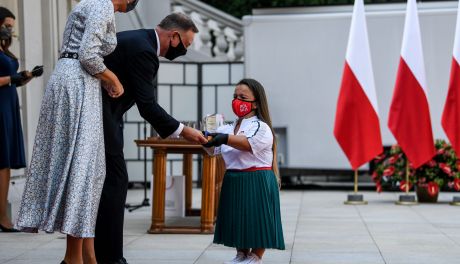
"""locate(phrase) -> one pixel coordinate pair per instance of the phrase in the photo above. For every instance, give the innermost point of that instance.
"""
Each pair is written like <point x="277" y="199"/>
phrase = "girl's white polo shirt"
<point x="260" y="138"/>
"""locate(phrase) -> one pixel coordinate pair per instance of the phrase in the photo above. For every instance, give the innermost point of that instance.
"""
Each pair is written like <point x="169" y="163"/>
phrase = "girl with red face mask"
<point x="248" y="217"/>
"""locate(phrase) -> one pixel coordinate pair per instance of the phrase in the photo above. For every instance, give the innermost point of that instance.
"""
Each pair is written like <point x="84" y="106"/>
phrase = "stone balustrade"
<point x="220" y="36"/>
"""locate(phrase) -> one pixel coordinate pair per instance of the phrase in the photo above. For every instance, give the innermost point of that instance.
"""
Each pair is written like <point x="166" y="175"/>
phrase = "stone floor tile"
<point x="318" y="229"/>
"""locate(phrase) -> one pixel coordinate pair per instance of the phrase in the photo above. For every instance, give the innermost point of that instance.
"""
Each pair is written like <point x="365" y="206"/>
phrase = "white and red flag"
<point x="409" y="119"/>
<point x="357" y="127"/>
<point x="451" y="114"/>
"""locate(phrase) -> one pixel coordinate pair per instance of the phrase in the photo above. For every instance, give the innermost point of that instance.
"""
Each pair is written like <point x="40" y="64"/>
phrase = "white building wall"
<point x="147" y="14"/>
<point x="299" y="58"/>
<point x="31" y="55"/>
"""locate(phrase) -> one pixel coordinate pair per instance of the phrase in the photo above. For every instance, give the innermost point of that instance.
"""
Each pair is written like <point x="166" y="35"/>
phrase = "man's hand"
<point x="193" y="135"/>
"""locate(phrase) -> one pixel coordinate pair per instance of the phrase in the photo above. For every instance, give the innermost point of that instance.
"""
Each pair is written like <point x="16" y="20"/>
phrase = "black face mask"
<point x="6" y="33"/>
<point x="174" y="52"/>
<point x="131" y="5"/>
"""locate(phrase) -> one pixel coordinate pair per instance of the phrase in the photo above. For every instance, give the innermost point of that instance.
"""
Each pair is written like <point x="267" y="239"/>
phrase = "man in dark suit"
<point x="135" y="62"/>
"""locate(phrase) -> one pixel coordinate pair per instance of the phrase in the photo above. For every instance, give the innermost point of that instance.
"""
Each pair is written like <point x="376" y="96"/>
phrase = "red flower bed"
<point x="442" y="171"/>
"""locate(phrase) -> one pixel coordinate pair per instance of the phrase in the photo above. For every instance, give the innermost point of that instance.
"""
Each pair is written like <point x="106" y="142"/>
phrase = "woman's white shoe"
<point x="251" y="259"/>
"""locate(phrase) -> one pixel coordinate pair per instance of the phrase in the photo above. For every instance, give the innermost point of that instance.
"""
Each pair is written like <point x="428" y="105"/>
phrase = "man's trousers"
<point x="109" y="226"/>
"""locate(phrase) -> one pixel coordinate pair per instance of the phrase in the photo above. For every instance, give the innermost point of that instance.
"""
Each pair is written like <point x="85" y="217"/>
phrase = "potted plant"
<point x="442" y="171"/>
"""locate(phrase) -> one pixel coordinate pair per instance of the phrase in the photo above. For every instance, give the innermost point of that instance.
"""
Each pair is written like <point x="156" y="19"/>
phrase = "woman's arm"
<point x="5" y="80"/>
<point x="97" y="21"/>
<point x="95" y="32"/>
<point x="110" y="83"/>
<point x="27" y="77"/>
<point x="239" y="142"/>
<point x="19" y="79"/>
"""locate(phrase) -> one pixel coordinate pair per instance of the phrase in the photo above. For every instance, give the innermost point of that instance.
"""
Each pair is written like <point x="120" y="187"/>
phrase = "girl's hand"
<point x="217" y="140"/>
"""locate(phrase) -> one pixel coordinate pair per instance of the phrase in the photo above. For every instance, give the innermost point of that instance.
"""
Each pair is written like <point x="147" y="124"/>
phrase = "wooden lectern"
<point x="209" y="195"/>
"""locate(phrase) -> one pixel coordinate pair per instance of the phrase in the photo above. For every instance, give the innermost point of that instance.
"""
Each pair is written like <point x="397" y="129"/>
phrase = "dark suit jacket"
<point x="135" y="63"/>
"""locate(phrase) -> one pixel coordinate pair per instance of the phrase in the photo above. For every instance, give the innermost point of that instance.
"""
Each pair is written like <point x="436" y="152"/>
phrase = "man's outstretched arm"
<point x="141" y="74"/>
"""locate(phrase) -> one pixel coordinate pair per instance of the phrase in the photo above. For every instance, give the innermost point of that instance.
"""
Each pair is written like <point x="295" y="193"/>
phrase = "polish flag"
<point x="451" y="114"/>
<point x="409" y="119"/>
<point x="357" y="127"/>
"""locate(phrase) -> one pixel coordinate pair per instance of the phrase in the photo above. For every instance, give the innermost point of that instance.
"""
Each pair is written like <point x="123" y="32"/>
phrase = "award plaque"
<point x="212" y="122"/>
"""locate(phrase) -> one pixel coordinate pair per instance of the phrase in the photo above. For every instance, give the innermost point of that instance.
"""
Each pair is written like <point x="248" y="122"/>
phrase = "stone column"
<point x="32" y="47"/>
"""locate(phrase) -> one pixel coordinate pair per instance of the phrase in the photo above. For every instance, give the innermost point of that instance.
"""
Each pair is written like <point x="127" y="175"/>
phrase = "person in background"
<point x="248" y="216"/>
<point x="67" y="169"/>
<point x="11" y="139"/>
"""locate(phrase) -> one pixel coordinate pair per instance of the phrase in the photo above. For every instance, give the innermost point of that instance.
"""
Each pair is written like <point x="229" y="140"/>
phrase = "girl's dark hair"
<point x="5" y="44"/>
<point x="263" y="114"/>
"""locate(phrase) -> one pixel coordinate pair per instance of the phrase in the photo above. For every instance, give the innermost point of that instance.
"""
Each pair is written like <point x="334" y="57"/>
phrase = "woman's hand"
<point x="27" y="74"/>
<point x="27" y="77"/>
<point x="114" y="89"/>
<point x="21" y="78"/>
<point x="37" y="71"/>
<point x="111" y="83"/>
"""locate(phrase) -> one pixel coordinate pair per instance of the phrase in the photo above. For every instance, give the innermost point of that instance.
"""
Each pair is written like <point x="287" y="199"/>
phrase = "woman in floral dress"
<point x="67" y="169"/>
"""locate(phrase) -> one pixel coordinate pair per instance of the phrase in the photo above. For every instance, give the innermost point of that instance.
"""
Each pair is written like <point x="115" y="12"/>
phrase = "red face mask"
<point x="241" y="108"/>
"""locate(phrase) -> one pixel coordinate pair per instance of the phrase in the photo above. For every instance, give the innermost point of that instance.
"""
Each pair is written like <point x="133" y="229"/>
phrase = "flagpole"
<point x="356" y="181"/>
<point x="355" y="198"/>
<point x="406" y="198"/>
<point x="407" y="177"/>
<point x="450" y="114"/>
<point x="357" y="103"/>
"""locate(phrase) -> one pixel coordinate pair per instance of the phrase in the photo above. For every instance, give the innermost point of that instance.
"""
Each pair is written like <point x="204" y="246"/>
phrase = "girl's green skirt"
<point x="249" y="211"/>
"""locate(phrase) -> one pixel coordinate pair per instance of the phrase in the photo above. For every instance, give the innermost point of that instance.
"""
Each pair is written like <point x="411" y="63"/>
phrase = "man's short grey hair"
<point x="178" y="21"/>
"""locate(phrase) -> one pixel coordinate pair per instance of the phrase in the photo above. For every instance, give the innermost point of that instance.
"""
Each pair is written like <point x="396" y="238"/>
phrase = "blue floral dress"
<point x="67" y="170"/>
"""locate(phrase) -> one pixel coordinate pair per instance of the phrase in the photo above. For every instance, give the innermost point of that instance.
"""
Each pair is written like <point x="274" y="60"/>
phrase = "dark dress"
<point x="11" y="140"/>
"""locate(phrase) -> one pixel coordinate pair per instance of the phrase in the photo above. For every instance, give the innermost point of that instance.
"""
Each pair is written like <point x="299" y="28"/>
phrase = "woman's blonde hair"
<point x="263" y="114"/>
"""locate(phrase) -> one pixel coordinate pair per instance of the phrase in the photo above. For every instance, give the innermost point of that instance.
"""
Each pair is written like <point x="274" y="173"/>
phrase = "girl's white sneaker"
<point x="240" y="256"/>
<point x="251" y="259"/>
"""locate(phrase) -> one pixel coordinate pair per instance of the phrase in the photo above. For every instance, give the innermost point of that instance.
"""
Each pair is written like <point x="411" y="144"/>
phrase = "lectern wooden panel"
<point x="161" y="148"/>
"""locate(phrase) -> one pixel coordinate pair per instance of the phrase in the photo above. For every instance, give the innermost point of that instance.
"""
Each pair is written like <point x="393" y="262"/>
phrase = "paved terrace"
<point x="318" y="229"/>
